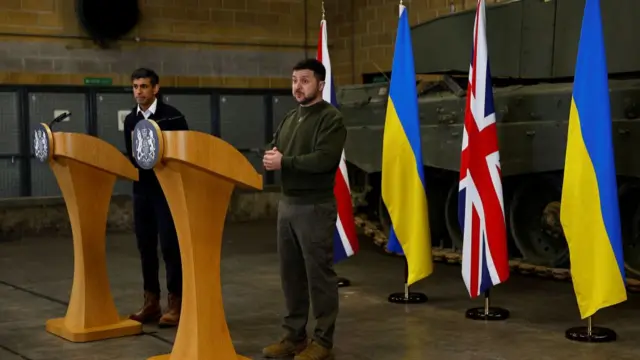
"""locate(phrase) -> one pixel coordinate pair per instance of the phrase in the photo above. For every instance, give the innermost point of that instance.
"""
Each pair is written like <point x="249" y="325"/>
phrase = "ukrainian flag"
<point x="589" y="213"/>
<point x="403" y="187"/>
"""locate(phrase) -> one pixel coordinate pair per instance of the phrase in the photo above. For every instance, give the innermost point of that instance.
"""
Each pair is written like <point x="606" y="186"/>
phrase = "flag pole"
<point x="493" y="238"/>
<point x="590" y="227"/>
<point x="487" y="312"/>
<point x="342" y="281"/>
<point x="590" y="333"/>
<point x="407" y="297"/>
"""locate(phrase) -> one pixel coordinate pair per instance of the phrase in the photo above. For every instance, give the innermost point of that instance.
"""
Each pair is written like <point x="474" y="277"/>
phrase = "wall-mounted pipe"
<point x="304" y="46"/>
<point x="353" y="42"/>
<point x="306" y="29"/>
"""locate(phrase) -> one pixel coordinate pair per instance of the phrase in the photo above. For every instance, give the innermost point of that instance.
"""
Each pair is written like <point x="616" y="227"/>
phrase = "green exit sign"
<point x="98" y="81"/>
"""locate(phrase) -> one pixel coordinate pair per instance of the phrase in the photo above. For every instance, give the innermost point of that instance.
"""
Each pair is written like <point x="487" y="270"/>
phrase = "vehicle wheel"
<point x="534" y="222"/>
<point x="629" y="202"/>
<point x="383" y="217"/>
<point x="451" y="217"/>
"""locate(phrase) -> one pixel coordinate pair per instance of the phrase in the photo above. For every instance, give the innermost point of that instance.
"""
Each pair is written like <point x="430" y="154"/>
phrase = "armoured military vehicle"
<point x="532" y="53"/>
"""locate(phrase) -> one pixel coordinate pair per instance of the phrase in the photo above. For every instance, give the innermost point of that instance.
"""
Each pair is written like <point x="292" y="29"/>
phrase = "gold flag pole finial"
<point x="323" y="12"/>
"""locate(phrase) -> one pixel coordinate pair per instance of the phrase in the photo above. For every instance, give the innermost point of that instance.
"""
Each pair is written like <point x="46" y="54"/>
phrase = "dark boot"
<point x="172" y="316"/>
<point x="150" y="311"/>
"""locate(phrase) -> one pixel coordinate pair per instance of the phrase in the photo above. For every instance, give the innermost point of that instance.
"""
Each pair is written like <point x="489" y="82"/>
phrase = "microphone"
<point x="59" y="118"/>
<point x="170" y="118"/>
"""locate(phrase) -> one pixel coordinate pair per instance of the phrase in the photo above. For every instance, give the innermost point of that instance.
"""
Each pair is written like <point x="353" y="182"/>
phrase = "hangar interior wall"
<point x="238" y="90"/>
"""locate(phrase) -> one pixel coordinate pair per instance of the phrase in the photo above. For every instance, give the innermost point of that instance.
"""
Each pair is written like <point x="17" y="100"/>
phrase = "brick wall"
<point x="181" y="39"/>
<point x="363" y="32"/>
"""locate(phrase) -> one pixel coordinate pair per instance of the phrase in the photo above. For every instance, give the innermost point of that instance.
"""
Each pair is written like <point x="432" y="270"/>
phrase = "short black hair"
<point x="314" y="65"/>
<point x="145" y="73"/>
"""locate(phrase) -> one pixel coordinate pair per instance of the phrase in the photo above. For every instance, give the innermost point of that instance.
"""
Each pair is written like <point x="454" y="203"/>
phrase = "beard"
<point x="307" y="99"/>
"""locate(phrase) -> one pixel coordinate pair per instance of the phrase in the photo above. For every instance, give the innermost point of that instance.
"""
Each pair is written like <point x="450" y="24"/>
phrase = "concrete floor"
<point x="36" y="273"/>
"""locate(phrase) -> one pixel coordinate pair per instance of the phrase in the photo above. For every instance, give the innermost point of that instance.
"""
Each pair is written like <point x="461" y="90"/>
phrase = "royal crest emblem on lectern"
<point x="41" y="144"/>
<point x="145" y="144"/>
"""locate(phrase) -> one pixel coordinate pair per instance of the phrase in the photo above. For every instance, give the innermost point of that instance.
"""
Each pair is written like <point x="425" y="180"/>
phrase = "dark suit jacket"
<point x="148" y="183"/>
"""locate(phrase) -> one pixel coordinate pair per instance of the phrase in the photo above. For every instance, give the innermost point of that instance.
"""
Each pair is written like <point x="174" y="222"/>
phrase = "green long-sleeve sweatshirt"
<point x="311" y="140"/>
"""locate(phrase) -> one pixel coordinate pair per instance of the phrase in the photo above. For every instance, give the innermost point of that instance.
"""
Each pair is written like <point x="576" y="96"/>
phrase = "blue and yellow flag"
<point x="403" y="187"/>
<point x="589" y="212"/>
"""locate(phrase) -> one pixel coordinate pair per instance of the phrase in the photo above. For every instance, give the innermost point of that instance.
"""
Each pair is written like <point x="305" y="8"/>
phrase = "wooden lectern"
<point x="198" y="173"/>
<point x="86" y="169"/>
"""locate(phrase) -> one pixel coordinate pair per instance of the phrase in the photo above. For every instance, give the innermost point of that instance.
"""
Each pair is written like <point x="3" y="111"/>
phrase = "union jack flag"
<point x="485" y="261"/>
<point x="345" y="238"/>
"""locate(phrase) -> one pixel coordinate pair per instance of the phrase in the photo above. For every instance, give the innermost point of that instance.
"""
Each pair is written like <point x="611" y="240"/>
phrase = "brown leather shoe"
<point x="150" y="311"/>
<point x="172" y="316"/>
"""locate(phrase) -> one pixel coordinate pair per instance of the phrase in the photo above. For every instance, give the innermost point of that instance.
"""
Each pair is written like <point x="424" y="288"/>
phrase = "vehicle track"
<point x="373" y="230"/>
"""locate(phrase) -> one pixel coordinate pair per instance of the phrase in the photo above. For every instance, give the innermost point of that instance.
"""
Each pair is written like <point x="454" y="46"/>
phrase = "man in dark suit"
<point x="151" y="213"/>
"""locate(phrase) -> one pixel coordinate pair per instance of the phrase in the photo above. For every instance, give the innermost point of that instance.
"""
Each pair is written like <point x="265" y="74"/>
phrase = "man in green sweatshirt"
<point x="306" y="149"/>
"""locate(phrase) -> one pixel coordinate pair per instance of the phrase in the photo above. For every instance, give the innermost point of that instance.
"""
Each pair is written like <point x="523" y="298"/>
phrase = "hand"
<point x="272" y="159"/>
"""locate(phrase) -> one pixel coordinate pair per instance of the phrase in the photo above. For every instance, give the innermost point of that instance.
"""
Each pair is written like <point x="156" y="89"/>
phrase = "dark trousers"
<point x="153" y="220"/>
<point x="305" y="246"/>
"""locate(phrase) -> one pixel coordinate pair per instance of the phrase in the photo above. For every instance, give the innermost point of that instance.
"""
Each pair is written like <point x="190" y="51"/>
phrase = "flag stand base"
<point x="487" y="312"/>
<point x="343" y="282"/>
<point x="591" y="333"/>
<point x="408" y="297"/>
<point x="492" y="313"/>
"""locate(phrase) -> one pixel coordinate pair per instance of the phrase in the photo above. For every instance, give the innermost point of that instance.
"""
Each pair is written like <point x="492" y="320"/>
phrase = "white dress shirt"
<point x="150" y="111"/>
